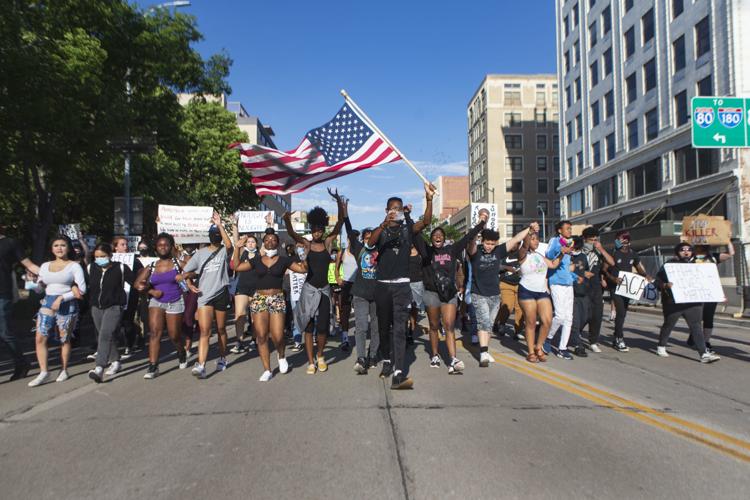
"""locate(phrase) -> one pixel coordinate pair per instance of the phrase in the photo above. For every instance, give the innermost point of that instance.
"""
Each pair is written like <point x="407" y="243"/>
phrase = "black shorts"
<point x="222" y="301"/>
<point x="245" y="290"/>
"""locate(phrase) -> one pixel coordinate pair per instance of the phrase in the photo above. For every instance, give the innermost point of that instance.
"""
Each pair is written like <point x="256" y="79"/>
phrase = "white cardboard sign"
<point x="491" y="208"/>
<point x="185" y="224"/>
<point x="72" y="231"/>
<point x="126" y="258"/>
<point x="252" y="221"/>
<point x="632" y="285"/>
<point x="296" y="280"/>
<point x="695" y="283"/>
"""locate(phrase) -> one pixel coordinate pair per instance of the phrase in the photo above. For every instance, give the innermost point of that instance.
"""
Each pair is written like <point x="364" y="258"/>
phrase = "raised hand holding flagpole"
<point x="369" y="121"/>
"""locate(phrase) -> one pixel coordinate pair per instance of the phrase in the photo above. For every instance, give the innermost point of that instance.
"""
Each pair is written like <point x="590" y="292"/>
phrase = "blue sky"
<point x="412" y="65"/>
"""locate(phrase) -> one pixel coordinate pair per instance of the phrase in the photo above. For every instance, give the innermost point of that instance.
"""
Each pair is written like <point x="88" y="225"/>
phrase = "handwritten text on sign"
<point x="252" y="222"/>
<point x="706" y="230"/>
<point x="632" y="285"/>
<point x="491" y="208"/>
<point x="126" y="258"/>
<point x="296" y="280"/>
<point x="185" y="224"/>
<point x="694" y="283"/>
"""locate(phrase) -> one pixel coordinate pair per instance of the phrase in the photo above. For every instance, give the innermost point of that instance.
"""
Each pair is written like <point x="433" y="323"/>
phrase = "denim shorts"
<point x="176" y="307"/>
<point x="486" y="310"/>
<point x="432" y="299"/>
<point x="417" y="294"/>
<point x="526" y="294"/>
<point x="64" y="319"/>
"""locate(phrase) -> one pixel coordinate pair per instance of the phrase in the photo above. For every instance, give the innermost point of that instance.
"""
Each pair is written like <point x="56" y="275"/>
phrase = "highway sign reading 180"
<point x="720" y="122"/>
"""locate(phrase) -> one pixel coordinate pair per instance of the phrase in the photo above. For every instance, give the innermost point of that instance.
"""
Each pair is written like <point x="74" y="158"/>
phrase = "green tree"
<point x="451" y="233"/>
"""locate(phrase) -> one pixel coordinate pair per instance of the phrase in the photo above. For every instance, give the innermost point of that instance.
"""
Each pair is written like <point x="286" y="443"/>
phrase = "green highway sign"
<point x="720" y="122"/>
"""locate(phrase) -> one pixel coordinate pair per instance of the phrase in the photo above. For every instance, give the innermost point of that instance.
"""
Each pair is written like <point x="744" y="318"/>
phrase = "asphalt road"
<point x="613" y="425"/>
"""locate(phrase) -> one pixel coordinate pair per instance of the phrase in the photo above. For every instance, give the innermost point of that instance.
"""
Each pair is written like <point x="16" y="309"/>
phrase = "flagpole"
<point x="369" y="121"/>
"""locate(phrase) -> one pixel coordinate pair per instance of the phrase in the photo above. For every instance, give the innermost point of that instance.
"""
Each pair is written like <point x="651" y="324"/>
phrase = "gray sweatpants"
<point x="107" y="323"/>
<point x="693" y="315"/>
<point x="365" y="321"/>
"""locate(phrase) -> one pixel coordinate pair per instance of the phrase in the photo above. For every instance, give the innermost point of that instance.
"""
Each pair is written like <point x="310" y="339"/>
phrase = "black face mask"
<point x="214" y="238"/>
<point x="143" y="252"/>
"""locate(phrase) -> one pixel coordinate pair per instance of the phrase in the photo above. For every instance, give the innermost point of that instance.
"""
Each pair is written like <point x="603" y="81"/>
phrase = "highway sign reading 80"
<point x="719" y="122"/>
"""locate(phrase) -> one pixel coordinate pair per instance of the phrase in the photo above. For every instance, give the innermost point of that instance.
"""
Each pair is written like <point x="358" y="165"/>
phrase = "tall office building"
<point x="627" y="70"/>
<point x="513" y="149"/>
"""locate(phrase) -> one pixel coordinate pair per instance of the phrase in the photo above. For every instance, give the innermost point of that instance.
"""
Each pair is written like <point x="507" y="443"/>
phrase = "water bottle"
<point x="183" y="286"/>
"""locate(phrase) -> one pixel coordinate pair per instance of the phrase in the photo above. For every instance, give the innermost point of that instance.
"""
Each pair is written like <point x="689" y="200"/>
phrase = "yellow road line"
<point x="627" y="407"/>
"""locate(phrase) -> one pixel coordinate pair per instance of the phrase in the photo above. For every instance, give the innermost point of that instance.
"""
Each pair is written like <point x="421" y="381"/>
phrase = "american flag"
<point x="342" y="146"/>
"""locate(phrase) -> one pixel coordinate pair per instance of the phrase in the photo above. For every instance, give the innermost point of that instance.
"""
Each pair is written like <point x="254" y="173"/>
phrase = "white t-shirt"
<point x="61" y="282"/>
<point x="534" y="273"/>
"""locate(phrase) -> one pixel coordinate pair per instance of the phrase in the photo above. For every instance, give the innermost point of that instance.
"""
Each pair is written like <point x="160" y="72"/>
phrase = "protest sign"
<point x="632" y="285"/>
<point x="72" y="231"/>
<point x="126" y="258"/>
<point x="185" y="224"/>
<point x="253" y="221"/>
<point x="706" y="230"/>
<point x="491" y="208"/>
<point x="694" y="283"/>
<point x="296" y="280"/>
<point x="133" y="243"/>
<point x="650" y="294"/>
<point x="90" y="240"/>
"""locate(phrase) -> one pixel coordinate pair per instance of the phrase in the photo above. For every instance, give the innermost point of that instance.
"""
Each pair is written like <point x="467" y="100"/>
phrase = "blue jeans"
<point x="6" y="333"/>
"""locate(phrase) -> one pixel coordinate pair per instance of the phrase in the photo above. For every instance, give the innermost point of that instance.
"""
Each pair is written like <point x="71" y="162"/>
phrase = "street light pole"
<point x="543" y="220"/>
<point x="493" y="193"/>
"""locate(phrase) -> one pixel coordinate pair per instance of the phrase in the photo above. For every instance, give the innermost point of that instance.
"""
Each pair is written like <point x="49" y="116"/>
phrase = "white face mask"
<point x="272" y="253"/>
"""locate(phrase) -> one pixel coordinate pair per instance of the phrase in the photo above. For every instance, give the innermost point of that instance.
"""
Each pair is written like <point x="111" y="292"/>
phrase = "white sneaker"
<point x="484" y="359"/>
<point x="127" y="354"/>
<point x="113" y="368"/>
<point x="283" y="366"/>
<point x="63" y="376"/>
<point x="662" y="351"/>
<point x="199" y="370"/>
<point x="709" y="357"/>
<point x="492" y="360"/>
<point x="91" y="357"/>
<point x="96" y="374"/>
<point x="267" y="375"/>
<point x="39" y="380"/>
<point x="456" y="367"/>
<point x="595" y="348"/>
<point x="221" y="365"/>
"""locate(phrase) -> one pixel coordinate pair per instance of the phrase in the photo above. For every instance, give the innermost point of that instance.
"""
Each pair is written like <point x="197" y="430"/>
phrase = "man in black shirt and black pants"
<point x="393" y="240"/>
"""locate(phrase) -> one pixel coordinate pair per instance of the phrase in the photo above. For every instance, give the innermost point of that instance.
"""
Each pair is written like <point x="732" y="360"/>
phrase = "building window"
<point x="605" y="193"/>
<point x="579" y="126"/>
<point x="606" y="20"/>
<point x="578" y="88"/>
<point x="575" y="203"/>
<point x="512" y="98"/>
<point x="569" y="131"/>
<point x="649" y="75"/>
<point x="571" y="172"/>
<point x="556" y="208"/>
<point x="702" y="37"/>
<point x="577" y="52"/>
<point x="540" y="117"/>
<point x="556" y="164"/>
<point x="555" y="142"/>
<point x="647" y="26"/>
<point x="631" y="88"/>
<point x="633" y="134"/>
<point x="579" y="163"/>
<point x="541" y="99"/>
<point x="594" y="72"/>
<point x="541" y="163"/>
<point x="514" y="208"/>
<point x="677" y="8"/>
<point x="541" y="186"/>
<point x="608" y="62"/>
<point x="576" y="18"/>
<point x="681" y="108"/>
<point x="514" y="186"/>
<point x="566" y="26"/>
<point x="628" y="5"/>
<point x="630" y="42"/>
<point x="566" y="61"/>
<point x="543" y="207"/>
<point x="705" y="87"/>
<point x="554" y="97"/>
<point x="541" y="141"/>
<point x="610" y="146"/>
<point x="513" y="119"/>
<point x="592" y="34"/>
<point x="513" y="141"/>
<point x="514" y="163"/>
<point x="596" y="153"/>
<point x="692" y="163"/>
<point x="678" y="53"/>
<point x="645" y="178"/>
<point x="652" y="124"/>
<point x="595" y="113"/>
<point x="568" y="96"/>
<point x="609" y="104"/>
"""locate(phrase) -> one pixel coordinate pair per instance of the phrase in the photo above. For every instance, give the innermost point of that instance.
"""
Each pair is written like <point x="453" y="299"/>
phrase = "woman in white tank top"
<point x="533" y="294"/>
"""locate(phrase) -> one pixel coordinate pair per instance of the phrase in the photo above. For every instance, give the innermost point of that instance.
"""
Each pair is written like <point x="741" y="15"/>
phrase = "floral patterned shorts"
<point x="271" y="303"/>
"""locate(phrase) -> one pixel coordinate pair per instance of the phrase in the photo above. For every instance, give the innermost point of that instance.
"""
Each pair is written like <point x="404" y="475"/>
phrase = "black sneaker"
<point x="20" y="371"/>
<point x="297" y="347"/>
<point x="152" y="372"/>
<point x="252" y="345"/>
<point x="709" y="347"/>
<point x="619" y="345"/>
<point x="373" y="362"/>
<point x="400" y="382"/>
<point x="580" y="351"/>
<point x="360" y="367"/>
<point x="345" y="346"/>
<point x="387" y="369"/>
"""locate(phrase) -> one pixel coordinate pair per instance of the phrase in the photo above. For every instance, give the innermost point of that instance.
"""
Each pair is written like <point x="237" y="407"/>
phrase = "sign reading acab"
<point x="720" y="122"/>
